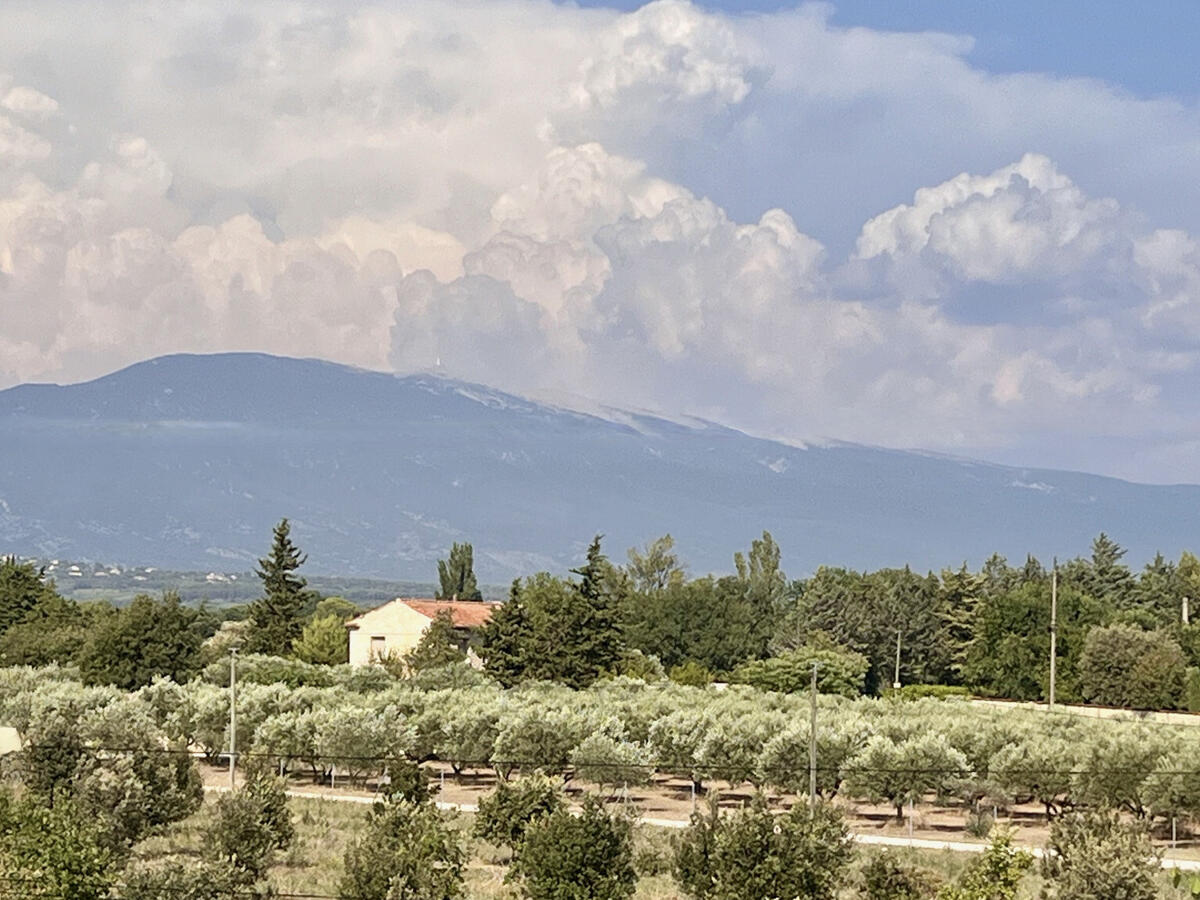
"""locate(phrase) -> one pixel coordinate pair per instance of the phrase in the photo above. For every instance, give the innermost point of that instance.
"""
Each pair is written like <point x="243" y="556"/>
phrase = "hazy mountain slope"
<point x="187" y="461"/>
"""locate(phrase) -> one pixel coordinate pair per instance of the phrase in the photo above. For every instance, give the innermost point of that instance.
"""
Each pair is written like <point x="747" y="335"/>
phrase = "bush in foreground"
<point x="1097" y="856"/>
<point x="754" y="854"/>
<point x="54" y="852"/>
<point x="408" y="851"/>
<point x="995" y="875"/>
<point x="185" y="879"/>
<point x="584" y="857"/>
<point x="251" y="824"/>
<point x="507" y="812"/>
<point x="887" y="878"/>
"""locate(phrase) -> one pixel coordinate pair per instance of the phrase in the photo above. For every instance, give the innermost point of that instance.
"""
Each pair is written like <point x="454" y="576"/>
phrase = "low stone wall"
<point x="1099" y="712"/>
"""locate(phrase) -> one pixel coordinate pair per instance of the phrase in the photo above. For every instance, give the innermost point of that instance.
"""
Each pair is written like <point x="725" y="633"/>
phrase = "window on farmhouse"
<point x="378" y="647"/>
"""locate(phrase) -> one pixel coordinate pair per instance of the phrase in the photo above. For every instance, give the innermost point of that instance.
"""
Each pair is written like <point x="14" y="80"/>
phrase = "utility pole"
<point x="232" y="716"/>
<point x="896" y="680"/>
<point x="1053" y="630"/>
<point x="812" y="743"/>
<point x="1185" y="611"/>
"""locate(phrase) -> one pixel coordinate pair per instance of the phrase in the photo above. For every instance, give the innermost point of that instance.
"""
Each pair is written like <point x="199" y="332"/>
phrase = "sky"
<point x="970" y="228"/>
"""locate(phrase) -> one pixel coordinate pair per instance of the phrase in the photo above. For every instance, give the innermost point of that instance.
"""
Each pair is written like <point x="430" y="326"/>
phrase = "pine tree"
<point x="960" y="591"/>
<point x="457" y="574"/>
<point x="505" y="639"/>
<point x="1111" y="580"/>
<point x="276" y="618"/>
<point x="597" y="645"/>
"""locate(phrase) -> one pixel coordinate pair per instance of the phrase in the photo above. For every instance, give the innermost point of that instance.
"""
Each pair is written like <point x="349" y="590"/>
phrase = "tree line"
<point x="1122" y="637"/>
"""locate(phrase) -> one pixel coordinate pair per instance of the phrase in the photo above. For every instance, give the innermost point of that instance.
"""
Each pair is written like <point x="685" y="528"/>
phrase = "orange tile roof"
<point x="464" y="613"/>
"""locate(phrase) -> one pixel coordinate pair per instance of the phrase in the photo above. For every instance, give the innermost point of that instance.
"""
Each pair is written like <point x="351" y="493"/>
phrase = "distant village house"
<point x="396" y="627"/>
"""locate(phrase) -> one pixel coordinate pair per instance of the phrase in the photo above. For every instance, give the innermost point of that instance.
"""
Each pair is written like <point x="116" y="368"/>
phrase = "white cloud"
<point x="22" y="99"/>
<point x="554" y="199"/>
<point x="667" y="52"/>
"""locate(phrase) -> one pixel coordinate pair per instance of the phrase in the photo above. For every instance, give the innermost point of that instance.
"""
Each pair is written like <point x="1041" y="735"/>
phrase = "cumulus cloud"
<point x="669" y="208"/>
<point x="662" y="55"/>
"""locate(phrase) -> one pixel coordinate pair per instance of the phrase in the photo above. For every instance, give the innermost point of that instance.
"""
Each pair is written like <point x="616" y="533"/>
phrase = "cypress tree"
<point x="597" y="644"/>
<point x="276" y="617"/>
<point x="456" y="575"/>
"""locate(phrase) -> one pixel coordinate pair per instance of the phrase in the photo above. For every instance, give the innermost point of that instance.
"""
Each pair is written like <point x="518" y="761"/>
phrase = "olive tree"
<point x="904" y="772"/>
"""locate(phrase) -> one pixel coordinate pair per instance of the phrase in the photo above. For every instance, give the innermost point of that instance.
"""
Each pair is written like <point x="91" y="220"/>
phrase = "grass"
<point x="324" y="829"/>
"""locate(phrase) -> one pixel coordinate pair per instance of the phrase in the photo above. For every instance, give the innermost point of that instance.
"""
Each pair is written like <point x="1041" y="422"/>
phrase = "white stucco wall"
<point x="398" y="625"/>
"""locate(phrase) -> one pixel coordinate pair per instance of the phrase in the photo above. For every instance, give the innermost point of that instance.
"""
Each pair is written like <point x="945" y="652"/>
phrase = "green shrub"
<point x="61" y="851"/>
<point x="691" y="674"/>
<point x="754" y="854"/>
<point x="507" y="812"/>
<point x="1125" y="666"/>
<point x="885" y="877"/>
<point x="995" y="875"/>
<point x="934" y="691"/>
<point x="1097" y="856"/>
<point x="250" y="825"/>
<point x="323" y="642"/>
<point x="584" y="857"/>
<point x="408" y="781"/>
<point x="979" y="823"/>
<point x="407" y="850"/>
<point x="645" y="666"/>
<point x="183" y="879"/>
<point x="839" y="671"/>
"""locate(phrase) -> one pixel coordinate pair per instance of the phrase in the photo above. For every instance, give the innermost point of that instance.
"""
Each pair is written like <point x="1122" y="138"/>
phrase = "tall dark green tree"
<point x="864" y="612"/>
<point x="145" y="639"/>
<point x="53" y="631"/>
<point x="599" y="645"/>
<point x="22" y="588"/>
<point x="960" y="591"/>
<point x="456" y="575"/>
<point x="276" y="618"/>
<point x="1010" y="654"/>
<point x="505" y="639"/>
<point x="764" y="582"/>
<point x="1111" y="578"/>
<point x="1158" y="596"/>
<point x="556" y="630"/>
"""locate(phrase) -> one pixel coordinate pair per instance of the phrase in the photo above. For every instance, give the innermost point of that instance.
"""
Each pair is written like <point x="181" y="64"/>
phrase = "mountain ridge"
<point x="187" y="460"/>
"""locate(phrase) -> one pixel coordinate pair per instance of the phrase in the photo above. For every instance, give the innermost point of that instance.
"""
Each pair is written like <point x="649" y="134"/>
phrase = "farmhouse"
<point x="396" y="627"/>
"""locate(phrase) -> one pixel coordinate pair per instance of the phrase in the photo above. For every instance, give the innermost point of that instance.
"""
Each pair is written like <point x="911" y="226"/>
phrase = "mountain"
<point x="188" y="461"/>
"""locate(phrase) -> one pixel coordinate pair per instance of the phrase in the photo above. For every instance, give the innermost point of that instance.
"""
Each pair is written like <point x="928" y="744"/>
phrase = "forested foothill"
<point x="603" y="694"/>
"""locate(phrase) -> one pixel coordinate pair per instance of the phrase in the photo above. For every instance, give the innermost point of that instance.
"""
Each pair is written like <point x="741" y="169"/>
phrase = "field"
<point x="939" y="769"/>
<point x="325" y="827"/>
